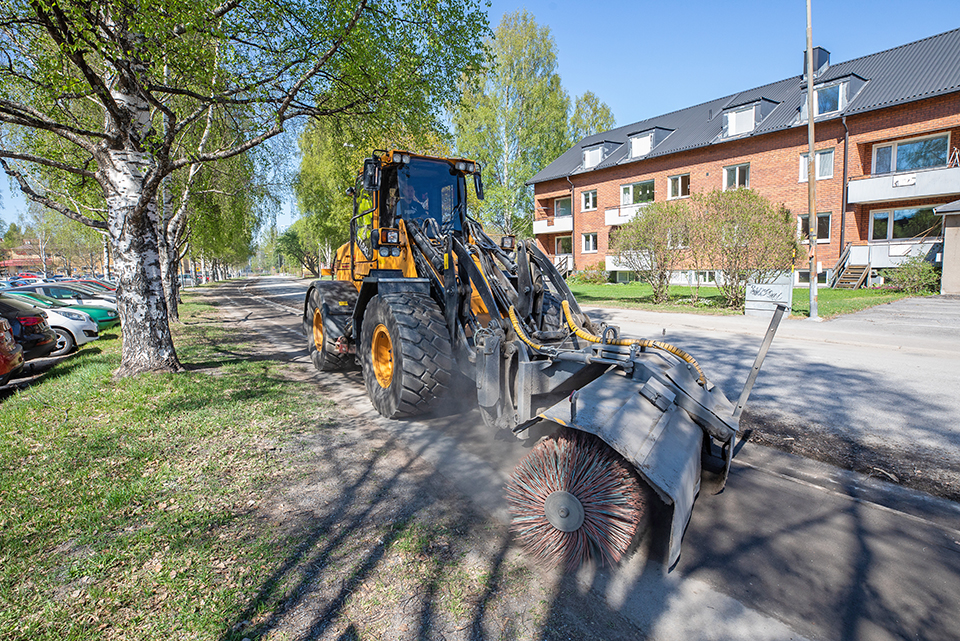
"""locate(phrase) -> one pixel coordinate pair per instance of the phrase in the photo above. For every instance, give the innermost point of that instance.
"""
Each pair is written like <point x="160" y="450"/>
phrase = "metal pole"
<point x="761" y="355"/>
<point x="811" y="173"/>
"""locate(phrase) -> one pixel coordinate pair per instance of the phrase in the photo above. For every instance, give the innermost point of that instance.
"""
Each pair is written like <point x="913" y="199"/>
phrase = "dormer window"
<point x="740" y="121"/>
<point x="828" y="99"/>
<point x="592" y="156"/>
<point x="641" y="144"/>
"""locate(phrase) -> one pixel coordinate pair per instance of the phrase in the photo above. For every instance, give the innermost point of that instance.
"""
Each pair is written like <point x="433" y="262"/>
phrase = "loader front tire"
<point x="321" y="337"/>
<point x="405" y="354"/>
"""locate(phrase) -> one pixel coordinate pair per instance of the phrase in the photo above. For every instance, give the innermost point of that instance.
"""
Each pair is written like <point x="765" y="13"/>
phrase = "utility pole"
<point x="811" y="172"/>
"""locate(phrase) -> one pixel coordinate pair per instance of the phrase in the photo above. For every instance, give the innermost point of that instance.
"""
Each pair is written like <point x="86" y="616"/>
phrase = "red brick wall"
<point x="774" y="172"/>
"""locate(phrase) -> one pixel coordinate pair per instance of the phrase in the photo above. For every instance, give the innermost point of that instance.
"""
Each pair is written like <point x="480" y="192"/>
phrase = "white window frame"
<point x="737" y="182"/>
<point x="841" y="100"/>
<point x="595" y="243"/>
<point x="588" y="155"/>
<point x="890" y="217"/>
<point x="635" y="140"/>
<point x="556" y="201"/>
<point x="893" y="153"/>
<point x="818" y="161"/>
<point x="630" y="186"/>
<point x="805" y="239"/>
<point x="750" y="123"/>
<point x="678" y="180"/>
<point x="590" y="196"/>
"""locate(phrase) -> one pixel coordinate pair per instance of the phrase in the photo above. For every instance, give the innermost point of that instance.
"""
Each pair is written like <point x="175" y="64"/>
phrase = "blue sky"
<point x="649" y="58"/>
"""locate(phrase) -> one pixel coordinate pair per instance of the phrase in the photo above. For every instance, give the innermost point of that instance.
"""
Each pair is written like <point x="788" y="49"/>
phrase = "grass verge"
<point x="123" y="501"/>
<point x="830" y="302"/>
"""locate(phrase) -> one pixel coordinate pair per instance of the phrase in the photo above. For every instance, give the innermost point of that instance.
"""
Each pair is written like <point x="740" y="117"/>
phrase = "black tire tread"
<point x="329" y="360"/>
<point x="425" y="355"/>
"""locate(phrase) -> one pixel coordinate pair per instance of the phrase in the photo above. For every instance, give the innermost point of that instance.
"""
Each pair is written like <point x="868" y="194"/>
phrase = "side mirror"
<point x="371" y="174"/>
<point x="478" y="184"/>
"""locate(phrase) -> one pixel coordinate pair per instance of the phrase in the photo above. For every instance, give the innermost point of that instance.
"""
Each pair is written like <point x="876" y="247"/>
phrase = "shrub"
<point x="652" y="243"/>
<point x="915" y="276"/>
<point x="593" y="275"/>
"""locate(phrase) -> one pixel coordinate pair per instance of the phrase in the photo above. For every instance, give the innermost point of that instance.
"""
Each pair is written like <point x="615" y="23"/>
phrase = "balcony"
<point x="619" y="215"/>
<point x="926" y="183"/>
<point x="553" y="225"/>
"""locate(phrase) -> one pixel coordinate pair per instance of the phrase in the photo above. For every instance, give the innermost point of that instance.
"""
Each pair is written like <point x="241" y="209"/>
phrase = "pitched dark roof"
<point x="915" y="71"/>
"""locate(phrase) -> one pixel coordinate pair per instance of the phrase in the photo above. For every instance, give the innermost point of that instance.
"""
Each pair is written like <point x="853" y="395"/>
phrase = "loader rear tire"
<point x="405" y="354"/>
<point x="321" y="337"/>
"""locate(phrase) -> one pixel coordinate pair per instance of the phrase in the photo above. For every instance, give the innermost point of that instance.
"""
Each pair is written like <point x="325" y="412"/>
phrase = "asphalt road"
<point x="792" y="549"/>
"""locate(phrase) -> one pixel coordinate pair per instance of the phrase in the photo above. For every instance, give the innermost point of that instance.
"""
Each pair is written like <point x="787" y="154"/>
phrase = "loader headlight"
<point x="384" y="251"/>
<point x="395" y="252"/>
<point x="461" y="166"/>
<point x="391" y="236"/>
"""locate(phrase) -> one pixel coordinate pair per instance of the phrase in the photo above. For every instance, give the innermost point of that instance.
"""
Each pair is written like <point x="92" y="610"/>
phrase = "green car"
<point x="103" y="317"/>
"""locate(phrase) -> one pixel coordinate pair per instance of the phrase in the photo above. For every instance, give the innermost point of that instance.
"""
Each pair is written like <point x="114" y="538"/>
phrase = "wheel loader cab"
<point x="430" y="192"/>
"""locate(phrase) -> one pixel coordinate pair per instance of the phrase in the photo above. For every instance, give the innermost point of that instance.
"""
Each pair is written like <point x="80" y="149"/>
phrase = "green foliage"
<point x="590" y="116"/>
<point x="512" y="118"/>
<point x="914" y="276"/>
<point x="653" y="243"/>
<point x="299" y="246"/>
<point x="593" y="275"/>
<point x="742" y="236"/>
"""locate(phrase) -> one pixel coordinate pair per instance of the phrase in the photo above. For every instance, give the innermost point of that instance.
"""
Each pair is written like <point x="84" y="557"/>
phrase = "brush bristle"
<point x="586" y="467"/>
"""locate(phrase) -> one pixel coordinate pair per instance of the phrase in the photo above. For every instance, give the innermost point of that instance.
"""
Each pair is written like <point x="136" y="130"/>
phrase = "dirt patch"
<point x="919" y="468"/>
<point x="379" y="545"/>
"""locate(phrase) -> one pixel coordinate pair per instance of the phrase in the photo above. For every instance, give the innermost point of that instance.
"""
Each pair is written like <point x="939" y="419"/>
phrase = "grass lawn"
<point x="830" y="302"/>
<point x="126" y="504"/>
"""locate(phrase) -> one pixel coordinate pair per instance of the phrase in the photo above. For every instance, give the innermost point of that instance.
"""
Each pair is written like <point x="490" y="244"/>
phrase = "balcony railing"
<point x="924" y="183"/>
<point x="553" y="225"/>
<point x="620" y="215"/>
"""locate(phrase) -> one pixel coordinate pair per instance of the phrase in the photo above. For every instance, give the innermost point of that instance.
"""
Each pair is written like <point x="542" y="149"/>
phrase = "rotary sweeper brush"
<point x="421" y="292"/>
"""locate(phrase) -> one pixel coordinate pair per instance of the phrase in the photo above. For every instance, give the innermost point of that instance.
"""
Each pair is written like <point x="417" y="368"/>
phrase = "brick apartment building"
<point x="887" y="127"/>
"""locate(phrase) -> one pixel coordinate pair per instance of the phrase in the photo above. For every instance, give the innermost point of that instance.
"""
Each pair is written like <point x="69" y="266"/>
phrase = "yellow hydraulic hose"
<point x="642" y="342"/>
<point x="522" y="334"/>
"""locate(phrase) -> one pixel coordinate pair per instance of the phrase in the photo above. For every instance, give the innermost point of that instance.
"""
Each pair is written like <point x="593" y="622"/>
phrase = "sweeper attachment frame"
<point x="422" y="294"/>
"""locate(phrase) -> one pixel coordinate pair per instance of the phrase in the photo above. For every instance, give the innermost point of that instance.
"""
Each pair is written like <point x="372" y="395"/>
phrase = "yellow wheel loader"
<point x="421" y="293"/>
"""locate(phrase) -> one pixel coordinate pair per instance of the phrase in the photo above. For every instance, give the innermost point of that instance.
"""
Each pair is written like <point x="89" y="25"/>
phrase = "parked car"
<point x="29" y="325"/>
<point x="74" y="328"/>
<point x="93" y="283"/>
<point x="11" y="353"/>
<point x="70" y="293"/>
<point x="96" y="291"/>
<point x="104" y="318"/>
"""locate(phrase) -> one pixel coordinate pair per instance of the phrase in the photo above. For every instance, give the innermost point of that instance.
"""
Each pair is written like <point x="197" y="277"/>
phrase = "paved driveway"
<point x="886" y="376"/>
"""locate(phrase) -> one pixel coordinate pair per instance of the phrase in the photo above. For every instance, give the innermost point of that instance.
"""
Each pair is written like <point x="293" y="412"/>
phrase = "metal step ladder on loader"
<point x="422" y="293"/>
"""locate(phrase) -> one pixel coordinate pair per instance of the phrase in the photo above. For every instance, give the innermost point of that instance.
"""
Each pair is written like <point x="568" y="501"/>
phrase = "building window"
<point x="592" y="156"/>
<point x="910" y="155"/>
<point x="561" y="207"/>
<point x="641" y="145"/>
<point x="824" y="165"/>
<point x="823" y="228"/>
<point x="736" y="176"/>
<point x="589" y="202"/>
<point x="740" y="121"/>
<point x="679" y="186"/>
<point x="803" y="277"/>
<point x="564" y="245"/>
<point x="636" y="193"/>
<point x="826" y="100"/>
<point x="904" y="224"/>
<point x="590" y="243"/>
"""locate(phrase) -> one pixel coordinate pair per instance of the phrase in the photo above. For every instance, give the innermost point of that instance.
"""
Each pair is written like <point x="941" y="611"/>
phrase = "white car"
<point x="74" y="328"/>
<point x="70" y="295"/>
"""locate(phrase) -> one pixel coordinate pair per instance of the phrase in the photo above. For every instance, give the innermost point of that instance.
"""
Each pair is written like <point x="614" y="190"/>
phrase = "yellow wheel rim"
<point x="318" y="330"/>
<point x="382" y="352"/>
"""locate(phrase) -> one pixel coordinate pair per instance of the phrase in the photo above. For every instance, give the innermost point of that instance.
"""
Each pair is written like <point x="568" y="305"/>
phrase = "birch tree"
<point x="512" y="118"/>
<point x="102" y="95"/>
